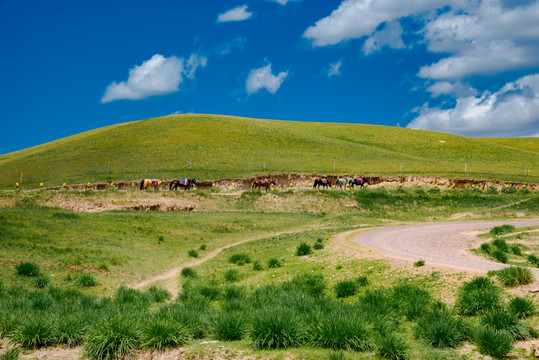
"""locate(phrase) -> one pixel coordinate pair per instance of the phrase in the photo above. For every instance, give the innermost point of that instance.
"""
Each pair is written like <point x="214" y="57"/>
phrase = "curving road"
<point x="444" y="244"/>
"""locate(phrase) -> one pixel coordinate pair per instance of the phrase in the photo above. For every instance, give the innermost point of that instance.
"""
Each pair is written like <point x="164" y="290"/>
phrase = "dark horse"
<point x="358" y="181"/>
<point x="324" y="182"/>
<point x="184" y="183"/>
<point x="258" y="184"/>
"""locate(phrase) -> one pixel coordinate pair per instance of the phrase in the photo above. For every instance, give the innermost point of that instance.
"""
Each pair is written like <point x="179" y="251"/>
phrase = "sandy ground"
<point x="442" y="244"/>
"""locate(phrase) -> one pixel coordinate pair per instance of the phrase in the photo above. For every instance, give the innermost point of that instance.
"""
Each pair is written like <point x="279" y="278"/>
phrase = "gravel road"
<point x="444" y="244"/>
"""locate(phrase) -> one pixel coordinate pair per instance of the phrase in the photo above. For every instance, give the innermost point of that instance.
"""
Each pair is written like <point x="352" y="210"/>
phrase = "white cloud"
<point x="512" y="111"/>
<point x="239" y="13"/>
<point x="354" y="19"/>
<point x="334" y="69"/>
<point x="156" y="76"/>
<point x="237" y="43"/>
<point x="263" y="78"/>
<point x="390" y="36"/>
<point x="283" y="2"/>
<point x="457" y="89"/>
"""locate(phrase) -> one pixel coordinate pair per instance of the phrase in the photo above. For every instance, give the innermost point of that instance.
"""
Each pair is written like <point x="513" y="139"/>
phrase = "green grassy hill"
<point x="225" y="146"/>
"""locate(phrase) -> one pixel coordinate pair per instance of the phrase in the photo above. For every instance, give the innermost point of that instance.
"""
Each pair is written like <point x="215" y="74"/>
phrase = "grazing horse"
<point x="184" y="183"/>
<point x="341" y="182"/>
<point x="358" y="181"/>
<point x="264" y="182"/>
<point x="324" y="182"/>
<point x="155" y="183"/>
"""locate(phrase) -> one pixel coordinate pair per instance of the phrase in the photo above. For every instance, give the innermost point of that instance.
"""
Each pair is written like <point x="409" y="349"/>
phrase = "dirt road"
<point x="443" y="244"/>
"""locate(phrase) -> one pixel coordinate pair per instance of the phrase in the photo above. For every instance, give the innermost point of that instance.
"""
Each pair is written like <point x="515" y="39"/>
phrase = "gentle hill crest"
<point x="227" y="146"/>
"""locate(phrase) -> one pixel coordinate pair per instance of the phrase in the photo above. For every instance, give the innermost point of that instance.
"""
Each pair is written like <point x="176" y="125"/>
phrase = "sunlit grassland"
<point x="224" y="146"/>
<point x="528" y="144"/>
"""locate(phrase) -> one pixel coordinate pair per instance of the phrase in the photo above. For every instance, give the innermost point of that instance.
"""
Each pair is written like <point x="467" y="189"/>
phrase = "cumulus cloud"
<point x="156" y="76"/>
<point x="283" y="2"/>
<point x="239" y="13"/>
<point x="390" y="36"/>
<point x="334" y="69"/>
<point x="263" y="78"/>
<point x="510" y="112"/>
<point x="457" y="89"/>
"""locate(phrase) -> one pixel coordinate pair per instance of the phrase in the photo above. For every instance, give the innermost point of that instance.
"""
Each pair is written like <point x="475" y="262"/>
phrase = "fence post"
<point x="108" y="168"/>
<point x="333" y="166"/>
<point x="264" y="164"/>
<point x="21" y="179"/>
<point x="465" y="167"/>
<point x="526" y="171"/>
<point x="401" y="167"/>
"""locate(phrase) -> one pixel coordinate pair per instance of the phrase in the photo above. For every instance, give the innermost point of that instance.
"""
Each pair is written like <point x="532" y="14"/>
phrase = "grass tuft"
<point x="86" y="280"/>
<point x="502" y="230"/>
<point x="189" y="272"/>
<point x="393" y="347"/>
<point x="515" y="275"/>
<point x="521" y="307"/>
<point x="29" y="269"/>
<point x="276" y="327"/>
<point x="346" y="288"/>
<point x="239" y="259"/>
<point x="162" y="333"/>
<point x="490" y="341"/>
<point x="114" y="337"/>
<point x="303" y="249"/>
<point x="477" y="296"/>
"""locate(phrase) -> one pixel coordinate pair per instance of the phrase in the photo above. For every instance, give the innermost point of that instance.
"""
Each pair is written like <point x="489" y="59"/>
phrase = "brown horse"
<point x="264" y="182"/>
<point x="155" y="183"/>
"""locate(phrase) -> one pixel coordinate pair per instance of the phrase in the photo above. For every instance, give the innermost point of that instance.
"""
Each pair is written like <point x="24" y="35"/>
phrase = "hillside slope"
<point x="225" y="146"/>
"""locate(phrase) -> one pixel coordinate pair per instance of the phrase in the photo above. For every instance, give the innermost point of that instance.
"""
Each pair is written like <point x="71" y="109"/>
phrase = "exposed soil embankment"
<point x="287" y="180"/>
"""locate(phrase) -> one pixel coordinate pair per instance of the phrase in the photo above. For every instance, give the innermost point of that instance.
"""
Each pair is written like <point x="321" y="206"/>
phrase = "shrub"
<point x="189" y="272"/>
<point x="521" y="307"/>
<point x="303" y="249"/>
<point x="509" y="190"/>
<point x="112" y="338"/>
<point x="492" y="342"/>
<point x="192" y="253"/>
<point x="318" y="246"/>
<point x="28" y="269"/>
<point x="500" y="256"/>
<point x="501" y="244"/>
<point x="33" y="333"/>
<point x="534" y="260"/>
<point x="515" y="248"/>
<point x="477" y="296"/>
<point x="515" y="275"/>
<point x="276" y="327"/>
<point x="501" y="319"/>
<point x="231" y="275"/>
<point x="346" y="288"/>
<point x="274" y="263"/>
<point x="157" y="294"/>
<point x="440" y="328"/>
<point x="239" y="259"/>
<point x="162" y="333"/>
<point x="419" y="263"/>
<point x="229" y="326"/>
<point x="86" y="280"/>
<point x="393" y="347"/>
<point x="42" y="281"/>
<point x="340" y="329"/>
<point x="485" y="247"/>
<point x="257" y="265"/>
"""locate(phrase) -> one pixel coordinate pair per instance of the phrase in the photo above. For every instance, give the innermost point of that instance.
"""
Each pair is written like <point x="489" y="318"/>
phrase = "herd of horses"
<point x="324" y="182"/>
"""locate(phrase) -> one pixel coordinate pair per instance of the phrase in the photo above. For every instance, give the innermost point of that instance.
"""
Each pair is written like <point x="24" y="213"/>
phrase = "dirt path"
<point x="443" y="244"/>
<point x="170" y="276"/>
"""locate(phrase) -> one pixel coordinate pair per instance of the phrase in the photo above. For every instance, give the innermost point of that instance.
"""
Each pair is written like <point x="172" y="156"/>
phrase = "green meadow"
<point x="225" y="146"/>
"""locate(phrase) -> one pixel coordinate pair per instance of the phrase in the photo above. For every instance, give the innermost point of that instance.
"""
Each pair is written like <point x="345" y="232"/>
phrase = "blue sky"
<point x="467" y="67"/>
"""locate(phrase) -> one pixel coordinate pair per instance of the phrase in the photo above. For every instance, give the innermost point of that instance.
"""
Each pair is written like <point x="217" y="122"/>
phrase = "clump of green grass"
<point x="202" y="247"/>
<point x="521" y="307"/>
<point x="393" y="347"/>
<point x="192" y="253"/>
<point x="70" y="329"/>
<point x="515" y="249"/>
<point x="42" y="281"/>
<point x="231" y="275"/>
<point x="500" y="256"/>
<point x="29" y="269"/>
<point x="303" y="249"/>
<point x="477" y="296"/>
<point x="362" y="280"/>
<point x="239" y="259"/>
<point x="509" y="190"/>
<point x="162" y="333"/>
<point x="257" y="265"/>
<point x="112" y="338"/>
<point x="419" y="263"/>
<point x="501" y="244"/>
<point x="230" y="326"/>
<point x="515" y="275"/>
<point x="485" y="247"/>
<point x="86" y="280"/>
<point x="440" y="328"/>
<point x="346" y="288"/>
<point x="189" y="272"/>
<point x="318" y="246"/>
<point x="11" y="353"/>
<point x="310" y="284"/>
<point x="490" y="341"/>
<point x="276" y="327"/>
<point x="501" y="319"/>
<point x="274" y="263"/>
<point x="492" y="190"/>
<point x="337" y="355"/>
<point x="533" y="259"/>
<point x="34" y="333"/>
<point x="157" y="294"/>
<point x="502" y="230"/>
